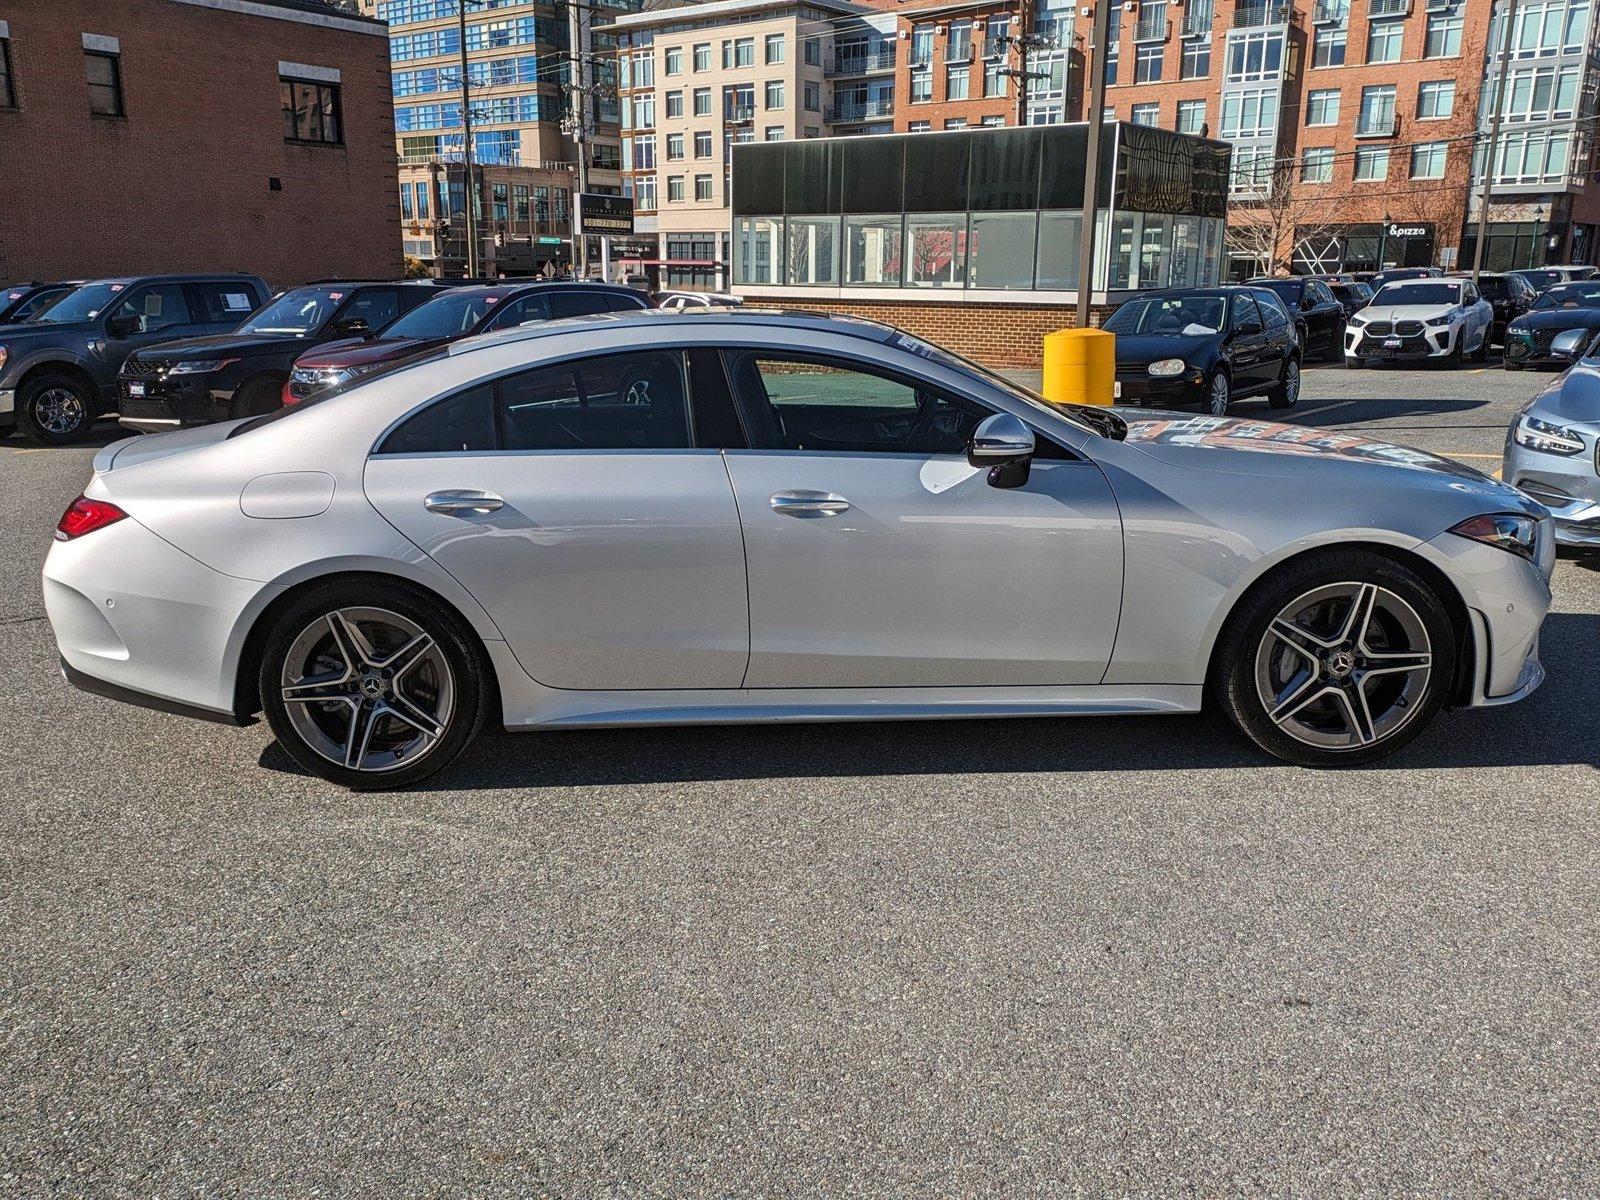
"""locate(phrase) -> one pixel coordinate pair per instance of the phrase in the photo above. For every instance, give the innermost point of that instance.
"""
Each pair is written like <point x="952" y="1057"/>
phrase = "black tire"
<point x="1335" y="350"/>
<point x="55" y="409"/>
<point x="1239" y="674"/>
<point x="1457" y="353"/>
<point x="1352" y="363"/>
<point x="257" y="398"/>
<point x="1286" y="393"/>
<point x="460" y="679"/>
<point x="1511" y="366"/>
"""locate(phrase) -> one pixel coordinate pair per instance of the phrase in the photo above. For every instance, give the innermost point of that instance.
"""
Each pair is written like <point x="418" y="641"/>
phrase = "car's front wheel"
<point x="1340" y="658"/>
<point x="55" y="409"/>
<point x="372" y="685"/>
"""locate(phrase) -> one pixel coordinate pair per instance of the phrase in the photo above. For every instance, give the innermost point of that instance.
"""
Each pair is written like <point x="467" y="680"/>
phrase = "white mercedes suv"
<point x="1440" y="319"/>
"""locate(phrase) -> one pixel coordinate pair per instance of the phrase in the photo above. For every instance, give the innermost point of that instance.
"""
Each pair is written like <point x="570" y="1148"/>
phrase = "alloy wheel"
<point x="1344" y="666"/>
<point x="1291" y="384"/>
<point x="368" y="689"/>
<point x="1220" y="395"/>
<point x="58" y="411"/>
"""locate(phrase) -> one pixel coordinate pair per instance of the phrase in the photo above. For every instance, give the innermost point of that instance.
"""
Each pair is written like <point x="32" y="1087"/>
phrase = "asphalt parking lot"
<point x="1126" y="956"/>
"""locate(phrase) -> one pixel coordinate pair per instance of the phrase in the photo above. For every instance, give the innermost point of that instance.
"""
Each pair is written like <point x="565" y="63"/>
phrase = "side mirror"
<point x="1005" y="445"/>
<point x="124" y="326"/>
<point x="352" y="327"/>
<point x="1307" y="303"/>
<point x="1570" y="344"/>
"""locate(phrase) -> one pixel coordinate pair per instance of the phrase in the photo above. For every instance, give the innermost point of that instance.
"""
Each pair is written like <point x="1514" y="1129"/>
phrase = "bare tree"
<point x="1286" y="211"/>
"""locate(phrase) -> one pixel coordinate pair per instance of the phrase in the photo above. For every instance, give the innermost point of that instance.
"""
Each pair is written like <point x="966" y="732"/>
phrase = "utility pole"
<point x="578" y="92"/>
<point x="469" y="189"/>
<point x="1091" y="164"/>
<point x="1509" y="31"/>
<point x="1026" y="40"/>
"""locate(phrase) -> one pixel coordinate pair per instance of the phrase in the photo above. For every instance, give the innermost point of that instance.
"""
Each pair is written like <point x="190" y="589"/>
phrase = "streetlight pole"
<point x="1509" y="32"/>
<point x="1091" y="164"/>
<point x="469" y="189"/>
<point x="577" y="72"/>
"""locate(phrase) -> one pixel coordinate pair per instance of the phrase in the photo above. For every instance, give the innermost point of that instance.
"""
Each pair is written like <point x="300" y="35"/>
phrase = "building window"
<point x="812" y="131"/>
<point x="955" y="123"/>
<point x="1254" y="57"/>
<point x="702" y="56"/>
<point x="995" y="79"/>
<point x="1436" y="99"/>
<point x="644" y="111"/>
<point x="775" y="133"/>
<point x="921" y="85"/>
<point x="1322" y="107"/>
<point x="993" y="122"/>
<point x="1372" y="163"/>
<point x="674" y="106"/>
<point x="744" y="52"/>
<point x="1377" y="110"/>
<point x="674" y="188"/>
<point x="519" y="196"/>
<point x="501" y="199"/>
<point x="8" y="92"/>
<point x="702" y="102"/>
<point x="1196" y="59"/>
<point x="813" y="97"/>
<point x="956" y="81"/>
<point x="1250" y="113"/>
<point x="311" y="112"/>
<point x="104" y="75"/>
<point x="1546" y="93"/>
<point x="674" y="147"/>
<point x="644" y="191"/>
<point x="1147" y="58"/>
<point x="1328" y="49"/>
<point x="1384" y="39"/>
<point x="1427" y="160"/>
<point x="422" y="191"/>
<point x="406" y="211"/>
<point x="1145" y="114"/>
<point x="702" y="144"/>
<point x="1191" y="116"/>
<point x="1316" y="166"/>
<point x="644" y="153"/>
<point x="1444" y="36"/>
<point x="958" y="42"/>
<point x="774" y="93"/>
<point x="921" y="45"/>
<point x="702" y="187"/>
<point x="674" y="64"/>
<point x="775" y="51"/>
<point x="919" y="127"/>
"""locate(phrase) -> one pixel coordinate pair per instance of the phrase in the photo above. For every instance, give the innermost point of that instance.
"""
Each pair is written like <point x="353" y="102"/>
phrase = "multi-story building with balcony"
<point x="957" y="71"/>
<point x="523" y="113"/>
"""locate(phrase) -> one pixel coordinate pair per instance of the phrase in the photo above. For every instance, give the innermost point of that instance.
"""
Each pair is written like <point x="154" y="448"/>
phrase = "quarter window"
<point x="103" y="73"/>
<point x="637" y="401"/>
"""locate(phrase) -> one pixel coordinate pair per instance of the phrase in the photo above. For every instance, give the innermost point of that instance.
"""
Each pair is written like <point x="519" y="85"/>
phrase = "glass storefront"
<point x="995" y="210"/>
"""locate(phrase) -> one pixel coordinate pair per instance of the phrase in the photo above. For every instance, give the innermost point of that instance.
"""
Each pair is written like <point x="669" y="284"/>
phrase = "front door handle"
<point x="462" y="500"/>
<point x="805" y="503"/>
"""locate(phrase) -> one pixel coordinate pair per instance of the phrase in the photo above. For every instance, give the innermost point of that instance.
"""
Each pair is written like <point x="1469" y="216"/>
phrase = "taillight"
<point x="84" y="515"/>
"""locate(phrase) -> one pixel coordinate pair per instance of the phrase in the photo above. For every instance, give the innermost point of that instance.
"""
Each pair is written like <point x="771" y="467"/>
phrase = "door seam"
<point x="744" y="549"/>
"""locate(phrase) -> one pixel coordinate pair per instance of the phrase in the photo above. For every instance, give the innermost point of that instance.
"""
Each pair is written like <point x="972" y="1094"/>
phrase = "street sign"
<point x="609" y="216"/>
<point x="551" y="241"/>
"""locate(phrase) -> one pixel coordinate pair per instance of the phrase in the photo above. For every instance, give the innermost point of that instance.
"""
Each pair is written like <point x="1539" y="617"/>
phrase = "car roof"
<point x="183" y="277"/>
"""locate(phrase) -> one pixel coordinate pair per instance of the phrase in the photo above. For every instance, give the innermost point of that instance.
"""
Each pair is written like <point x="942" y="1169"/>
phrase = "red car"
<point x="456" y="313"/>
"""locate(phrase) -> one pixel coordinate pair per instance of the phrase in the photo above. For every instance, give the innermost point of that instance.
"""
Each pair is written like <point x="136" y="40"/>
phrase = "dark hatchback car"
<point x="1206" y="347"/>
<point x="196" y="381"/>
<point x="1509" y="295"/>
<point x="58" y="372"/>
<point x="1563" y="307"/>
<point x="21" y="302"/>
<point x="1315" y="309"/>
<point x="458" y="313"/>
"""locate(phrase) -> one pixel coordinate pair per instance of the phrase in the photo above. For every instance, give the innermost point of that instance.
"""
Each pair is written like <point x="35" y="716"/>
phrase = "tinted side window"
<point x="527" y="308"/>
<point x="1276" y="318"/>
<point x="622" y="302"/>
<point x="221" y="303"/>
<point x="376" y="306"/>
<point x="461" y="422"/>
<point x="812" y="403"/>
<point x="637" y="401"/>
<point x="577" y="304"/>
<point x="159" y="306"/>
<point x="1244" y="312"/>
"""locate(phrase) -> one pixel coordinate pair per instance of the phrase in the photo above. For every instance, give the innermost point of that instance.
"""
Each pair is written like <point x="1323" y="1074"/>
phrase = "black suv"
<point x="58" y="372"/>
<point x="21" y="302"/>
<point x="199" y="380"/>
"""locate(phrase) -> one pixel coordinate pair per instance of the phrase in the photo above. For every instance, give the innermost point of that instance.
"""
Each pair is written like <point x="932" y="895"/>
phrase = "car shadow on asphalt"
<point x="1554" y="727"/>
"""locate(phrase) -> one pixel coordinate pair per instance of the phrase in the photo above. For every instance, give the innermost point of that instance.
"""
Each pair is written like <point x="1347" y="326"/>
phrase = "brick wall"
<point x="181" y="182"/>
<point x="996" y="335"/>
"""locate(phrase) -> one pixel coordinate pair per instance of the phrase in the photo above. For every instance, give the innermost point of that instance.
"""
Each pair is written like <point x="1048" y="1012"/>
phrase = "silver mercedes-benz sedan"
<point x="743" y="516"/>
<point x="1553" y="445"/>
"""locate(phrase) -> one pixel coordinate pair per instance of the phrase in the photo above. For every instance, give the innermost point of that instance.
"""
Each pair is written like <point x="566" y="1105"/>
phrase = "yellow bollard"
<point x="1080" y="366"/>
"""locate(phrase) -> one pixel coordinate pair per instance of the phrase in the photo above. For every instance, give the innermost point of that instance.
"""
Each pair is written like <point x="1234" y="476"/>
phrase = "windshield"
<point x="447" y="316"/>
<point x="84" y="304"/>
<point x="1541" y="279"/>
<point x="1173" y="316"/>
<point x="1418" y="293"/>
<point x="1570" y="295"/>
<point x="298" y="312"/>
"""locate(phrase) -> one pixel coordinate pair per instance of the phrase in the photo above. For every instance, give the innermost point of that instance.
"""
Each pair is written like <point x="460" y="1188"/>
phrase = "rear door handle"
<point x="804" y="503"/>
<point x="462" y="500"/>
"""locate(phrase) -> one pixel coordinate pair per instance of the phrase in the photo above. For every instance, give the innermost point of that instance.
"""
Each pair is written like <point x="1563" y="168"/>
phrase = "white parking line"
<point x="1311" y="412"/>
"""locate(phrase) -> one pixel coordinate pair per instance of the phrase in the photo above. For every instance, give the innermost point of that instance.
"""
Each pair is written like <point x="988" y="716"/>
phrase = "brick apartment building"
<point x="180" y="135"/>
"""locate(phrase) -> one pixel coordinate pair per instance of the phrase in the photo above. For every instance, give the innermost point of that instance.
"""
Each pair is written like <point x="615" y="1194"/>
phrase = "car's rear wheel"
<point x="55" y="409"/>
<point x="1341" y="658"/>
<point x="1352" y="363"/>
<point x="1287" y="392"/>
<point x="1335" y="350"/>
<point x="1219" y="395"/>
<point x="372" y="685"/>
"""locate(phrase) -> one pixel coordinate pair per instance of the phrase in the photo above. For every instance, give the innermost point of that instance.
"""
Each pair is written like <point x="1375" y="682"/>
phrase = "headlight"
<point x="1166" y="368"/>
<point x="1506" y="531"/>
<point x="1444" y="320"/>
<point x="1546" y="436"/>
<point x="199" y="366"/>
<point x="1357" y="319"/>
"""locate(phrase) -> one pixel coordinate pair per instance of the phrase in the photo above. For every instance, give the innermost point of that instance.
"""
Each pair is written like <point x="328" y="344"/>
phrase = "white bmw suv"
<point x="1440" y="319"/>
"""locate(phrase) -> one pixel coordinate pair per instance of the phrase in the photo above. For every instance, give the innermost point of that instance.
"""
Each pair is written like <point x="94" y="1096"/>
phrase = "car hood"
<point x="358" y="352"/>
<point x="27" y="330"/>
<point x="1142" y="349"/>
<point x="1302" y="453"/>
<point x="1572" y="396"/>
<point x="216" y="345"/>
<point x="1406" y="312"/>
<point x="1560" y="318"/>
